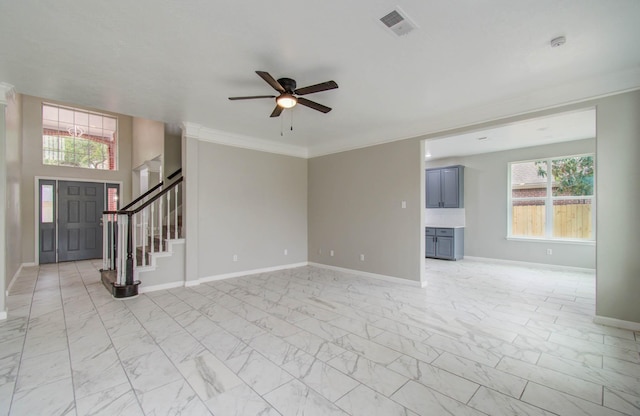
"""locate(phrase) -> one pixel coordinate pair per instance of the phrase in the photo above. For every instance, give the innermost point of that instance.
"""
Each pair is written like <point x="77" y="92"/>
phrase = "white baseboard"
<point x="531" y="264"/>
<point x="190" y="283"/>
<point x="154" y="288"/>
<point x="3" y="315"/>
<point x="224" y="276"/>
<point x="13" y="280"/>
<point x="15" y="276"/>
<point x="371" y="275"/>
<point x="617" y="323"/>
<point x="244" y="273"/>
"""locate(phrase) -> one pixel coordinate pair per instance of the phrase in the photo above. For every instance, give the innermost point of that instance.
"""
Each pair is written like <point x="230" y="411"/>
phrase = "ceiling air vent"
<point x="398" y="22"/>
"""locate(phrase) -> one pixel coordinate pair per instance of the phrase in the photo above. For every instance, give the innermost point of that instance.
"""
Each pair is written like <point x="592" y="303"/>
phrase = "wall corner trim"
<point x="392" y="279"/>
<point x="7" y="92"/>
<point x="616" y="323"/>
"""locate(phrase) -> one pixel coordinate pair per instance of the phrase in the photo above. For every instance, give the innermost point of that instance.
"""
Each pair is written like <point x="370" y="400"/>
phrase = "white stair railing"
<point x="129" y="235"/>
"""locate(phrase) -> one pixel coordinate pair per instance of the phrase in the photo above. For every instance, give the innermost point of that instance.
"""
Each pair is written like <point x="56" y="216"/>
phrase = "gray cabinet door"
<point x="450" y="187"/>
<point x="432" y="183"/>
<point x="430" y="240"/>
<point x="80" y="206"/>
<point x="444" y="243"/>
<point x="444" y="248"/>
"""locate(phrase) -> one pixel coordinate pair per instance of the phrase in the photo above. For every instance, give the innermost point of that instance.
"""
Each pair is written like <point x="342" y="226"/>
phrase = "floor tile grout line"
<point x="462" y="377"/>
<point x="297" y="378"/>
<point x="132" y="388"/>
<point x="66" y="327"/>
<point x="24" y="341"/>
<point x="222" y="361"/>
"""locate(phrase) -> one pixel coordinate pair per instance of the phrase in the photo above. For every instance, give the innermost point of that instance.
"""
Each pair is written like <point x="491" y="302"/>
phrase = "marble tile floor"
<point x="480" y="339"/>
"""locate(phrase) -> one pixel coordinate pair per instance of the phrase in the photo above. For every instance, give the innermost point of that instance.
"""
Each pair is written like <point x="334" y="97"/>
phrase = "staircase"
<point x="159" y="244"/>
<point x="144" y="239"/>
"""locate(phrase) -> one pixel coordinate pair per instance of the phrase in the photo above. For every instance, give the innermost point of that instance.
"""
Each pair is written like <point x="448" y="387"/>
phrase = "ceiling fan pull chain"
<point x="281" y="126"/>
<point x="292" y="120"/>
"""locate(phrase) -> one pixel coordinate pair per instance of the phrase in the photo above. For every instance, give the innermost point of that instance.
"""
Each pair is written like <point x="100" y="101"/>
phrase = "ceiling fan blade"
<point x="270" y="80"/>
<point x="314" y="105"/>
<point x="251" y="97"/>
<point x="329" y="85"/>
<point x="277" y="111"/>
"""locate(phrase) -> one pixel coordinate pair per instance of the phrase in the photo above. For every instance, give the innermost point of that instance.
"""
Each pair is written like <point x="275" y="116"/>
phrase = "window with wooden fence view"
<point x="552" y="198"/>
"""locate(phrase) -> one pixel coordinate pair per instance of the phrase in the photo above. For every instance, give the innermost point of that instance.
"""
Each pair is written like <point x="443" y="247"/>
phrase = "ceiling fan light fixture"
<point x="286" y="100"/>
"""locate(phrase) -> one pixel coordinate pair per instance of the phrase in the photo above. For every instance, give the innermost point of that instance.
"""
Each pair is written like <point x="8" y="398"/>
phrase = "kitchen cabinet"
<point x="445" y="187"/>
<point x="444" y="243"/>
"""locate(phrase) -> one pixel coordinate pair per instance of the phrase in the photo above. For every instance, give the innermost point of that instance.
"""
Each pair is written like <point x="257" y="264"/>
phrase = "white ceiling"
<point x="178" y="61"/>
<point x="539" y="131"/>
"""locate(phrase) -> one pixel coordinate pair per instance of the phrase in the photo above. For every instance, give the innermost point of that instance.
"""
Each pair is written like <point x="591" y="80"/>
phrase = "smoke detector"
<point x="398" y="21"/>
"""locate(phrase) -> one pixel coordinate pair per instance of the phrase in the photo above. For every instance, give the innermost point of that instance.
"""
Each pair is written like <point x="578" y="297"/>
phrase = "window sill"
<point x="552" y="241"/>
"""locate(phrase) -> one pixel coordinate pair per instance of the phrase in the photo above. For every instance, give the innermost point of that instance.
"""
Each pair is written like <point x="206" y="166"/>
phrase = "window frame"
<point x="112" y="147"/>
<point x="548" y="202"/>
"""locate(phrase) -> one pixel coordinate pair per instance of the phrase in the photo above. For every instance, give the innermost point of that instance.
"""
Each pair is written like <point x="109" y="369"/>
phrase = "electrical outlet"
<point x="235" y="257"/>
<point x="404" y="204"/>
<point x="286" y="252"/>
<point x="320" y="251"/>
<point x="549" y="251"/>
<point x="331" y="253"/>
<point x="361" y="257"/>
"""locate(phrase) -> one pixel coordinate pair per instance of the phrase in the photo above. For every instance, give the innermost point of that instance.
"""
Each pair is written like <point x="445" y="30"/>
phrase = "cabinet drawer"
<point x="431" y="231"/>
<point x="444" y="232"/>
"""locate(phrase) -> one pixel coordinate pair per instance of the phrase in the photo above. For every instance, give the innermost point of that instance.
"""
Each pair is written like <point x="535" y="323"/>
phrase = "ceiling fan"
<point x="289" y="95"/>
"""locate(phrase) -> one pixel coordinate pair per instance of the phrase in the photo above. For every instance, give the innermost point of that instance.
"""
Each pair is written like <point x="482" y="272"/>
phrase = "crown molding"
<point x="571" y="93"/>
<point x="545" y="99"/>
<point x="199" y="132"/>
<point x="7" y="92"/>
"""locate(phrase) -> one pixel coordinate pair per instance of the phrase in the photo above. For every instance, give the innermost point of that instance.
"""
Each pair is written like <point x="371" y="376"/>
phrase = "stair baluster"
<point x="137" y="224"/>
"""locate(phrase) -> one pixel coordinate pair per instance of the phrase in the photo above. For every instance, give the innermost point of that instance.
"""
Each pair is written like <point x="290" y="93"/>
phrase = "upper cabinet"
<point x="445" y="187"/>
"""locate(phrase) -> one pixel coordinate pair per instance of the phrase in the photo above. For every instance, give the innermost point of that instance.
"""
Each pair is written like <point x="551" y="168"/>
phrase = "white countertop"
<point x="443" y="226"/>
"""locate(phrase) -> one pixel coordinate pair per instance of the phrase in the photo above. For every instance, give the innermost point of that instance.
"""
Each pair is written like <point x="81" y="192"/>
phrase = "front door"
<point x="80" y="206"/>
<point x="70" y="220"/>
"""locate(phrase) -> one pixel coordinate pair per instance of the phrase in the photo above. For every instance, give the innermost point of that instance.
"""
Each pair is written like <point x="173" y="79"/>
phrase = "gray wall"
<point x="148" y="141"/>
<point x="249" y="203"/>
<point x="355" y="207"/>
<point x="32" y="166"/>
<point x="13" y="213"/>
<point x="618" y="218"/>
<point x="485" y="202"/>
<point x="172" y="158"/>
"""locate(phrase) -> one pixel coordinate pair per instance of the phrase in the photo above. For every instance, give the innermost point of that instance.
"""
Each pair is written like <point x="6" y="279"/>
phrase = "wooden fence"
<point x="570" y="221"/>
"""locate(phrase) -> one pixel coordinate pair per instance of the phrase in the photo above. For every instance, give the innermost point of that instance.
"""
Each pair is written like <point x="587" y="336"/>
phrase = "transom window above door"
<point x="75" y="137"/>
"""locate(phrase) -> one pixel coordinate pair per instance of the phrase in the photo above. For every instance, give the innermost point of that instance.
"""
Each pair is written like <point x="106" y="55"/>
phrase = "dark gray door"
<point x="47" y="221"/>
<point x="80" y="206"/>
